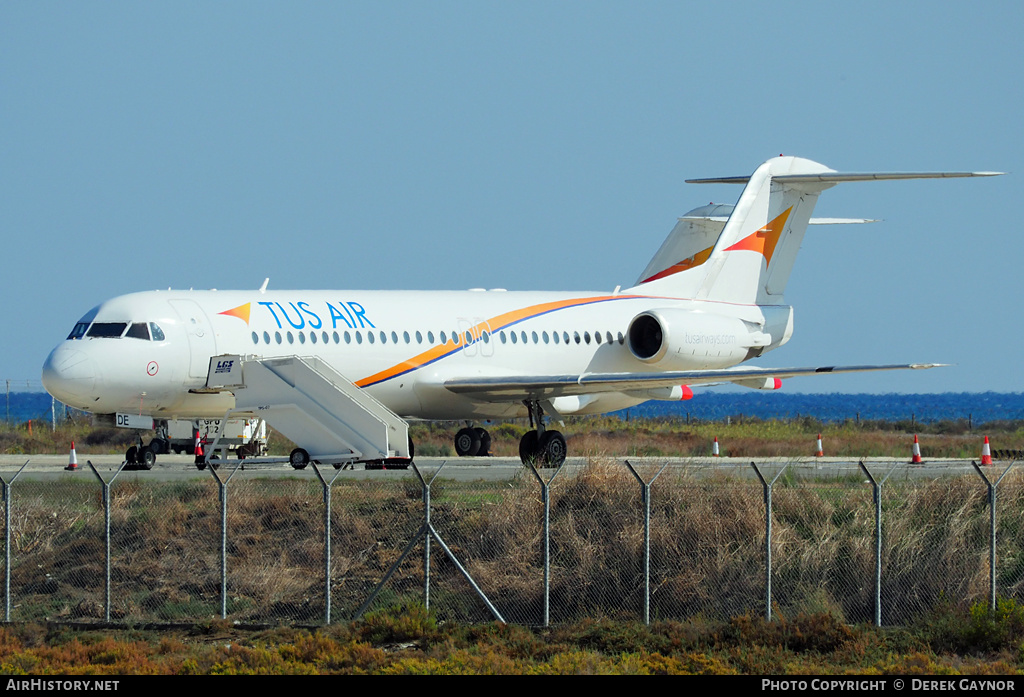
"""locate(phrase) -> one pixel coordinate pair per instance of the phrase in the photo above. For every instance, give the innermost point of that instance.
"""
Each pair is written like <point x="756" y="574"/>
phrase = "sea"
<point x="977" y="407"/>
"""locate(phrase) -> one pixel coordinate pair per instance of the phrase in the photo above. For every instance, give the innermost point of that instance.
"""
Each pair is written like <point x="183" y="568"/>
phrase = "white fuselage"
<point x="149" y="352"/>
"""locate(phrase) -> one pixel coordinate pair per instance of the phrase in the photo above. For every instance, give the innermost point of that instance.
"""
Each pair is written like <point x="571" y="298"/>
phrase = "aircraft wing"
<point x="519" y="387"/>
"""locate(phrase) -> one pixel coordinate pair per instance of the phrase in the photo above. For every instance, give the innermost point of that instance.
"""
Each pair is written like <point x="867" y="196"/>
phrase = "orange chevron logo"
<point x="241" y="312"/>
<point x="764" y="240"/>
<point x="696" y="260"/>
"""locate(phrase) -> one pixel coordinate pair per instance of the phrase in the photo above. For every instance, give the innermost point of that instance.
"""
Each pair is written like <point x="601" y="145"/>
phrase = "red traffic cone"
<point x="200" y="454"/>
<point x="714" y="448"/>
<point x="820" y="453"/>
<point x="986" y="453"/>
<point x="916" y="458"/>
<point x="72" y="459"/>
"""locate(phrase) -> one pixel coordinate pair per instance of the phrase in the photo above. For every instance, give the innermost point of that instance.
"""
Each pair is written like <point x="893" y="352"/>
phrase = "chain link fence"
<point x="605" y="539"/>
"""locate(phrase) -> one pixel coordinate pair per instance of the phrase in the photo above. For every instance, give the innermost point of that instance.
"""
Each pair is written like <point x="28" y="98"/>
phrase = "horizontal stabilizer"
<point x="840" y="177"/>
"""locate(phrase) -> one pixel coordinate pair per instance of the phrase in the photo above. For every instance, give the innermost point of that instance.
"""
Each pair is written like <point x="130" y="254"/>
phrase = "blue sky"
<point x="525" y="145"/>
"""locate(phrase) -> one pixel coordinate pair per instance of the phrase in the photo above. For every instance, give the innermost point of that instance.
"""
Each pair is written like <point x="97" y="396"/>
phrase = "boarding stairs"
<point x="315" y="406"/>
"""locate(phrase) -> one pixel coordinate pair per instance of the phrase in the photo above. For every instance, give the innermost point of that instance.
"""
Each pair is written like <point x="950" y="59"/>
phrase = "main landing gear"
<point x="473" y="442"/>
<point x="541" y="447"/>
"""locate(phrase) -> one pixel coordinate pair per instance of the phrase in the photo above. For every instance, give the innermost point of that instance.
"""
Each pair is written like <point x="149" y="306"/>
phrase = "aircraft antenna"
<point x="263" y="288"/>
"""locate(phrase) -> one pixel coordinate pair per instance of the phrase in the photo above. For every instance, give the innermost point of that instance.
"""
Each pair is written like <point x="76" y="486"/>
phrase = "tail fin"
<point x="751" y="259"/>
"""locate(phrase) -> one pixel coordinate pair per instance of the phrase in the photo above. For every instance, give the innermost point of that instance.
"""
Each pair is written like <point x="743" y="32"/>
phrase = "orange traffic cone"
<point x="72" y="459"/>
<point x="200" y="455"/>
<point x="916" y="458"/>
<point x="820" y="453"/>
<point x="714" y="448"/>
<point x="986" y="453"/>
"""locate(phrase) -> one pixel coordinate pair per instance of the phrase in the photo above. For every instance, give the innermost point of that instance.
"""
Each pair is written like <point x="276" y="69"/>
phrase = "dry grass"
<point x="707" y="547"/>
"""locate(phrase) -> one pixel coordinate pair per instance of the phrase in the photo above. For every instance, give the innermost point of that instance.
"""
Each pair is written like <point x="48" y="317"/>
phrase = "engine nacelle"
<point x="675" y="339"/>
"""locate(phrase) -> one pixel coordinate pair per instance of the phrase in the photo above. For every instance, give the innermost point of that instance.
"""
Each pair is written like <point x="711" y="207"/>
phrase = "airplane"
<point x="710" y="300"/>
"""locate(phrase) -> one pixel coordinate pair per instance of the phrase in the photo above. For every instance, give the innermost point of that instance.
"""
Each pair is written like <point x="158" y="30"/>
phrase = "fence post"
<point x="992" y="530"/>
<point x="645" y="495"/>
<point x="877" y="498"/>
<point x="327" y="538"/>
<point x="768" y="536"/>
<point x="223" y="488"/>
<point x="7" y="538"/>
<point x="106" y="528"/>
<point x="545" y="495"/>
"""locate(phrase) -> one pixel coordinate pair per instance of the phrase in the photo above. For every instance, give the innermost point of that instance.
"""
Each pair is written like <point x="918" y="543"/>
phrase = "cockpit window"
<point x="158" y="333"/>
<point x="108" y="330"/>
<point x="79" y="331"/>
<point x="138" y="330"/>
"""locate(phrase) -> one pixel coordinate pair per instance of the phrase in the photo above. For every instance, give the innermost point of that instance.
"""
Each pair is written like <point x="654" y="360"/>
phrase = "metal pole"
<point x="877" y="498"/>
<point x="223" y="494"/>
<point x="106" y="529"/>
<point x="768" y="536"/>
<point x="327" y="538"/>
<point x="545" y="495"/>
<point x="992" y="530"/>
<point x="645" y="495"/>
<point x="7" y="538"/>
<point x="426" y="543"/>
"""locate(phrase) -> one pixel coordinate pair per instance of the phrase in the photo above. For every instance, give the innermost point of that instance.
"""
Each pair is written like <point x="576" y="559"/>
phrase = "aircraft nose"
<point x="70" y="376"/>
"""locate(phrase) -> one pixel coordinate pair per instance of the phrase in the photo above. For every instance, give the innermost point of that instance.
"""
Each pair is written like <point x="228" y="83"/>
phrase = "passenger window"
<point x="302" y="338"/>
<point x="369" y="336"/>
<point x="608" y="335"/>
<point x="277" y="337"/>
<point x="405" y="335"/>
<point x="514" y="340"/>
<point x="266" y="338"/>
<point x="444" y="338"/>
<point x="255" y="338"/>
<point x="576" y="336"/>
<point x="291" y="338"/>
<point x="359" y="337"/>
<point x="544" y="336"/>
<point x="554" y="335"/>
<point x="430" y="338"/>
<point x="533" y="335"/>
<point x="597" y="337"/>
<point x="419" y="337"/>
<point x="469" y="338"/>
<point x="383" y="338"/>
<point x="394" y="338"/>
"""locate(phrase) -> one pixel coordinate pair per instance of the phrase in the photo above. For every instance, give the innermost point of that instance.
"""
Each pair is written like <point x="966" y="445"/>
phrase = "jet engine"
<point x="674" y="339"/>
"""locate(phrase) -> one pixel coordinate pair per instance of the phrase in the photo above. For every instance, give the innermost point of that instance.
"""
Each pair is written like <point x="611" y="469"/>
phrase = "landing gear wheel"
<point x="131" y="456"/>
<point x="529" y="449"/>
<point x="485" y="442"/>
<point x="148" y="458"/>
<point x="298" y="459"/>
<point x="467" y="442"/>
<point x="552" y="448"/>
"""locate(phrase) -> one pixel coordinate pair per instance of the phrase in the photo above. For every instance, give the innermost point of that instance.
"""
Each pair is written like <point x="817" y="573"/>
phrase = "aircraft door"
<point x="201" y="342"/>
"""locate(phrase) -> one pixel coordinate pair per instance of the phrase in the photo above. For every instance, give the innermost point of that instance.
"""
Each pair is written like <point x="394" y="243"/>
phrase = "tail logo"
<point x="241" y="312"/>
<point x="764" y="240"/>
<point x="696" y="260"/>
